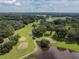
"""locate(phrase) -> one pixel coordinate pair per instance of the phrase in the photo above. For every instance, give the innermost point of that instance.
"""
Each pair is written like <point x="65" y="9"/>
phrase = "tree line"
<point x="8" y="26"/>
<point x="66" y="30"/>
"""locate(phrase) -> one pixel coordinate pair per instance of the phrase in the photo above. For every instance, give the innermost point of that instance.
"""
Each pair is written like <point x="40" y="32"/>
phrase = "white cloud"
<point x="43" y="5"/>
<point x="8" y="1"/>
<point x="17" y="4"/>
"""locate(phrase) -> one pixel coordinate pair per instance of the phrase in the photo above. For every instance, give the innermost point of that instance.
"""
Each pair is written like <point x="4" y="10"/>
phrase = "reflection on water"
<point x="61" y="53"/>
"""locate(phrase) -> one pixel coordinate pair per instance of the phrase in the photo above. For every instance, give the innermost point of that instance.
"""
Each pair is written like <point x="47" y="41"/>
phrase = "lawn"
<point x="15" y="53"/>
<point x="74" y="47"/>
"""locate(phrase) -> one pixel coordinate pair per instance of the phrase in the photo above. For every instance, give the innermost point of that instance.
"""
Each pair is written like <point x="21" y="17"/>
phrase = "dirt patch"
<point x="23" y="43"/>
<point x="22" y="39"/>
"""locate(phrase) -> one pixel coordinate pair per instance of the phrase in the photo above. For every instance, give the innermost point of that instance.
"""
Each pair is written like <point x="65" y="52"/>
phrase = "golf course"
<point x="15" y="53"/>
<point x="40" y="29"/>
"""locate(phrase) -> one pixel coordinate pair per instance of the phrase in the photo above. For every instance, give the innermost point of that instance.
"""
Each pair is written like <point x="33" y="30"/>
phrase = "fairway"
<point x="15" y="53"/>
<point x="74" y="47"/>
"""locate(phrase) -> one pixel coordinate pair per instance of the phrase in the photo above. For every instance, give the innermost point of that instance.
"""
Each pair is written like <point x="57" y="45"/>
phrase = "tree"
<point x="34" y="25"/>
<point x="73" y="36"/>
<point x="59" y="22"/>
<point x="14" y="39"/>
<point x="61" y="33"/>
<point x="37" y="33"/>
<point x="43" y="43"/>
<point x="5" y="29"/>
<point x="16" y="24"/>
<point x="5" y="48"/>
<point x="1" y="40"/>
<point x="42" y="21"/>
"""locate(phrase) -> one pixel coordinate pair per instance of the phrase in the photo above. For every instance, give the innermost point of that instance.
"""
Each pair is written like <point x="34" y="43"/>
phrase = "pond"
<point x="61" y="53"/>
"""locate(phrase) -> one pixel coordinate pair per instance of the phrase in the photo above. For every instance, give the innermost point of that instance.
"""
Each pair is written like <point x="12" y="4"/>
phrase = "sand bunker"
<point x="23" y="44"/>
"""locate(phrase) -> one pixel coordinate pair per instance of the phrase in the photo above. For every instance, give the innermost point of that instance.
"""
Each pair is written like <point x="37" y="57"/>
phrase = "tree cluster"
<point x="65" y="29"/>
<point x="8" y="25"/>
<point x="7" y="47"/>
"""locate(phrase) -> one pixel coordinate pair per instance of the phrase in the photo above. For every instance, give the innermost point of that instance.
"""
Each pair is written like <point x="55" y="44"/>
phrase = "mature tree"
<point x="1" y="40"/>
<point x="14" y="39"/>
<point x="61" y="33"/>
<point x="34" y="25"/>
<point x="37" y="33"/>
<point x="17" y="24"/>
<point x="59" y="22"/>
<point x="42" y="21"/>
<point x="43" y="43"/>
<point x="6" y="29"/>
<point x="73" y="36"/>
<point x="5" y="48"/>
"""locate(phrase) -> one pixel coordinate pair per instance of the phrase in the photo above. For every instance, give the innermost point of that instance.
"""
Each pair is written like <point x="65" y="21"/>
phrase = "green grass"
<point x="5" y="40"/>
<point x="74" y="47"/>
<point x="15" y="53"/>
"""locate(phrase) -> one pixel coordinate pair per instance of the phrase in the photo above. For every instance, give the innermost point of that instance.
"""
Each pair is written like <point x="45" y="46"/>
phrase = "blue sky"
<point x="39" y="6"/>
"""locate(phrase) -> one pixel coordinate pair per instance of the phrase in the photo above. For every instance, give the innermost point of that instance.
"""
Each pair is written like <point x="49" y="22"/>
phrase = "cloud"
<point x="17" y="4"/>
<point x="7" y="1"/>
<point x="42" y="5"/>
<point x="56" y="5"/>
<point x="10" y="3"/>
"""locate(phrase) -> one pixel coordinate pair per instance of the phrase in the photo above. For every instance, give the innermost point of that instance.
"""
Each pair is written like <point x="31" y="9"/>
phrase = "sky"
<point x="39" y="6"/>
